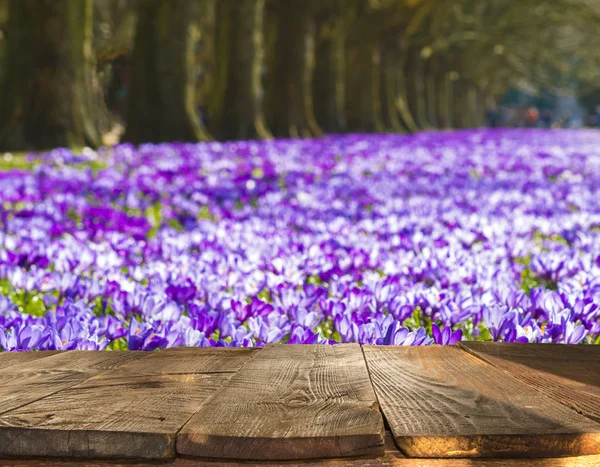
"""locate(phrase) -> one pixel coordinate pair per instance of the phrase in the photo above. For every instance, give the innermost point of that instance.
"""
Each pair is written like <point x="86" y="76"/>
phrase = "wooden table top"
<point x="342" y="405"/>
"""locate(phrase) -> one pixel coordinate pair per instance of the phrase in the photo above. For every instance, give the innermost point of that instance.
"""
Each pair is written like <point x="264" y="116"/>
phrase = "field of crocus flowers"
<point x="379" y="239"/>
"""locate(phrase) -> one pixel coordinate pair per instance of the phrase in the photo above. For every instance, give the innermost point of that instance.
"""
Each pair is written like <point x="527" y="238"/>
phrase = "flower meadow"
<point x="377" y="239"/>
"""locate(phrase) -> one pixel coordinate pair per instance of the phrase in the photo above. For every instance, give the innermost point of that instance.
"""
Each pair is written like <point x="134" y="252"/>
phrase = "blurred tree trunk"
<point x="288" y="94"/>
<point x="481" y="107"/>
<point x="236" y="107"/>
<point x="467" y="106"/>
<point x="448" y="85"/>
<point x="431" y="93"/>
<point x="461" y="118"/>
<point x="442" y="99"/>
<point x="473" y="109"/>
<point x="49" y="92"/>
<point x="161" y="99"/>
<point x="363" y="110"/>
<point x="411" y="86"/>
<point x="114" y="29"/>
<point x="389" y="88"/>
<point x="329" y="80"/>
<point x="401" y="96"/>
<point x="420" y="91"/>
<point x="377" y="90"/>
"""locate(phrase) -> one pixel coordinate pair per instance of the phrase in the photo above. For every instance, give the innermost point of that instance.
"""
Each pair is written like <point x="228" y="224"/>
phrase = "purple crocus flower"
<point x="181" y="292"/>
<point x="573" y="334"/>
<point x="302" y="335"/>
<point x="499" y="320"/>
<point x="445" y="336"/>
<point x="142" y="336"/>
<point x="29" y="337"/>
<point x="358" y="237"/>
<point x="396" y="334"/>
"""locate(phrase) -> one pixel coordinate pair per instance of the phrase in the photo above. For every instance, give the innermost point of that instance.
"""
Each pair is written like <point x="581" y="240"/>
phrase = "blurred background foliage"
<point x="91" y="72"/>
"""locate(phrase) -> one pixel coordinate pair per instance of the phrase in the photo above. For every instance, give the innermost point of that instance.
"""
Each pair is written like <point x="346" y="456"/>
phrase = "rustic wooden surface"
<point x="31" y="379"/>
<point x="290" y="402"/>
<point x="567" y="374"/>
<point x="126" y="412"/>
<point x="186" y="360"/>
<point x="444" y="402"/>
<point x="294" y="402"/>
<point x="9" y="359"/>
<point x="80" y="360"/>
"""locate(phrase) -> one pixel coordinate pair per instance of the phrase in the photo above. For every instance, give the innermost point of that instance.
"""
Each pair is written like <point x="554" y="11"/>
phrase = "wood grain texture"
<point x="121" y="413"/>
<point x="80" y="360"/>
<point x="569" y="374"/>
<point x="17" y="390"/>
<point x="290" y="402"/>
<point x="440" y="401"/>
<point x="15" y="359"/>
<point x="190" y="360"/>
<point x="33" y="379"/>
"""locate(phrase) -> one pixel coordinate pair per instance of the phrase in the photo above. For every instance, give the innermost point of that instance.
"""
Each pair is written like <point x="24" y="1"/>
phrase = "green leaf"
<point x="118" y="344"/>
<point x="264" y="295"/>
<point x="205" y="214"/>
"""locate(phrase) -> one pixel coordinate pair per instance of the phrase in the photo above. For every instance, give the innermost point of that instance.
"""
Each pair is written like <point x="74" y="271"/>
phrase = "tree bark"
<point x="236" y="107"/>
<point x="161" y="100"/>
<point x="288" y="99"/>
<point x="49" y="90"/>
<point x="329" y="91"/>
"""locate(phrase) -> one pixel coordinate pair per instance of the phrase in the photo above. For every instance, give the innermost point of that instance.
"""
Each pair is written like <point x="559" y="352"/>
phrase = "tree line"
<point x="280" y="68"/>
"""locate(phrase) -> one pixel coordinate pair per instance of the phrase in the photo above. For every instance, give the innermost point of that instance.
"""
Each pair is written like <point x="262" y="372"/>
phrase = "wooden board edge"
<point x="497" y="446"/>
<point x="280" y="449"/>
<point x="32" y="442"/>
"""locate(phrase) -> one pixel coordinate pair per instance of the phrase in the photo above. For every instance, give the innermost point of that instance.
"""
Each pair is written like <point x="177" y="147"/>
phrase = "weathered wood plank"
<point x="290" y="402"/>
<point x="441" y="401"/>
<point x="390" y="458"/>
<point x="17" y="390"/>
<point x="15" y="359"/>
<point x="34" y="379"/>
<point x="569" y="374"/>
<point x="122" y="413"/>
<point x="210" y="360"/>
<point x="80" y="360"/>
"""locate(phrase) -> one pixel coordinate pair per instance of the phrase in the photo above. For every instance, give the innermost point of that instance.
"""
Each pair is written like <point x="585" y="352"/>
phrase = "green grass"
<point x="19" y="161"/>
<point x="16" y="160"/>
